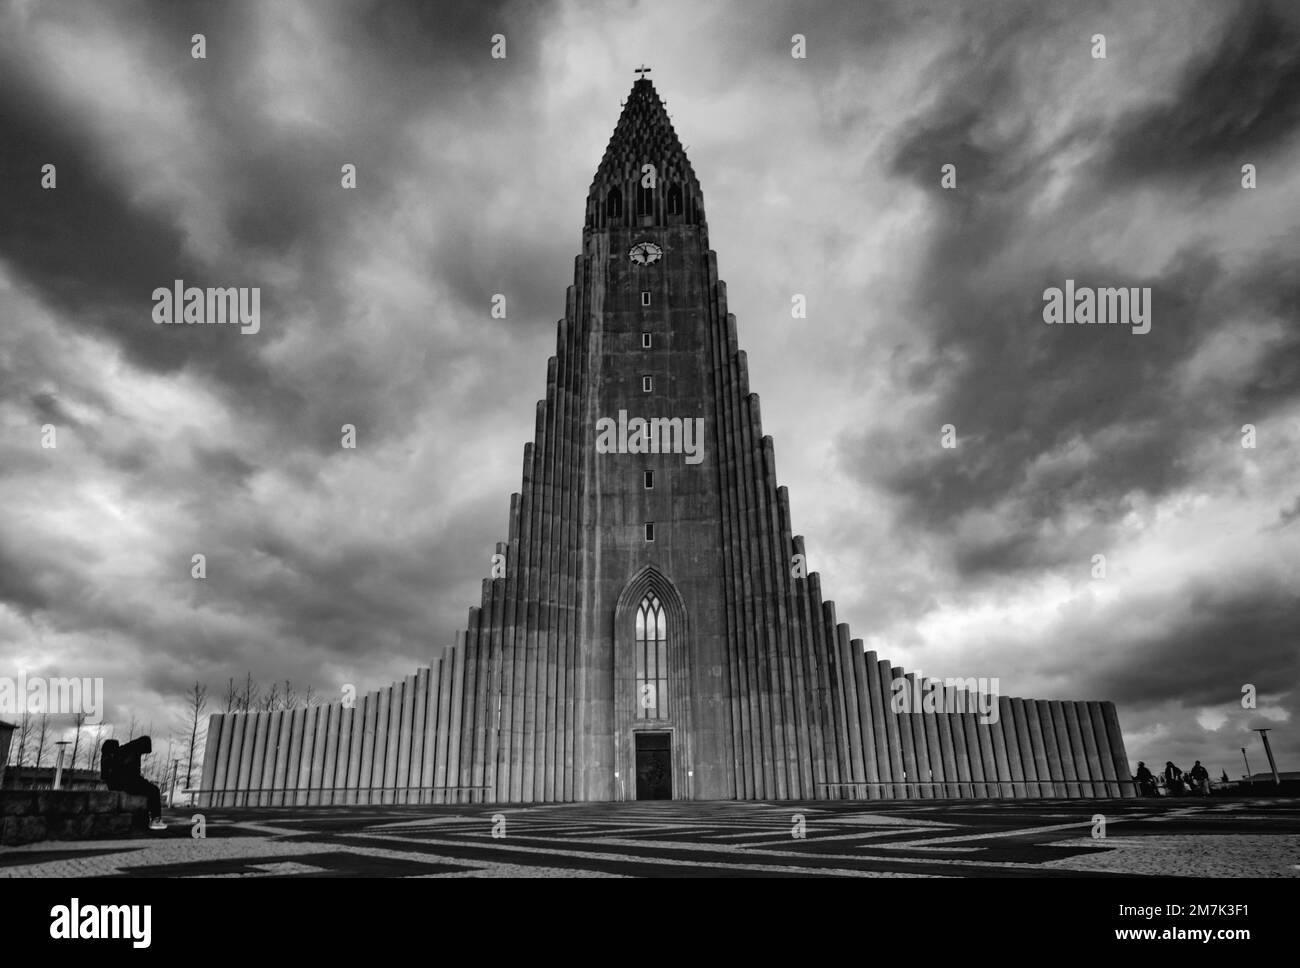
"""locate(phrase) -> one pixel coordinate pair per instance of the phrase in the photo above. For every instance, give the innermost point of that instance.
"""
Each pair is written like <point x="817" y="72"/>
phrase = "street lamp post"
<point x="1268" y="751"/>
<point x="58" y="764"/>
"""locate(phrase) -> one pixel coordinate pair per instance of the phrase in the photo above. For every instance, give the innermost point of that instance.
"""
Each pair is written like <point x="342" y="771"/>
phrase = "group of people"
<point x="1173" y="782"/>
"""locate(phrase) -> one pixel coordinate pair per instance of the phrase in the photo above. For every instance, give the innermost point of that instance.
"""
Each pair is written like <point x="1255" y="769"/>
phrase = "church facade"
<point x="649" y="630"/>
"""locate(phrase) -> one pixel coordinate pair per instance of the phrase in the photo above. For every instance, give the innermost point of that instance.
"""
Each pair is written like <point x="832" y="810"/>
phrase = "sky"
<point x="821" y="176"/>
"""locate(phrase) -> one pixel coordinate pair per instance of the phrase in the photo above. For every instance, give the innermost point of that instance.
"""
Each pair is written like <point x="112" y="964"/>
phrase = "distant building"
<point x="650" y="629"/>
<point x="42" y="778"/>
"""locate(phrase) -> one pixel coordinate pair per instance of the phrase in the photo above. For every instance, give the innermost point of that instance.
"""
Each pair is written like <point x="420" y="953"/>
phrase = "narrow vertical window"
<point x="675" y="200"/>
<point x="649" y="480"/>
<point x="645" y="297"/>
<point x="645" y="200"/>
<point x="651" y="660"/>
<point x="647" y="384"/>
<point x="649" y="531"/>
<point x="645" y="341"/>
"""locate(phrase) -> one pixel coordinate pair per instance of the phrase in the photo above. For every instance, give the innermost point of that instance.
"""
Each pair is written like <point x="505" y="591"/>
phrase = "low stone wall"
<point x="27" y="816"/>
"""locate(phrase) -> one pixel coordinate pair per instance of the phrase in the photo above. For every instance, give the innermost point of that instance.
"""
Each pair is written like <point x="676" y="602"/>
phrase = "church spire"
<point x="624" y="192"/>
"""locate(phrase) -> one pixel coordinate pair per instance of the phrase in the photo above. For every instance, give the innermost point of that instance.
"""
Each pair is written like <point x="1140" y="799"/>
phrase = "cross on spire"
<point x="642" y="70"/>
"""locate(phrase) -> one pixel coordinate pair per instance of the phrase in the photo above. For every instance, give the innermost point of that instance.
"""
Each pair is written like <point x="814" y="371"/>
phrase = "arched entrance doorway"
<point x="652" y="704"/>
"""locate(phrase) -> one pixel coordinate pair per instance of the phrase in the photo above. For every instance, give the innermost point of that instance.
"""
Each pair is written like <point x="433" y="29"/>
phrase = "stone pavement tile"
<point x="1188" y="855"/>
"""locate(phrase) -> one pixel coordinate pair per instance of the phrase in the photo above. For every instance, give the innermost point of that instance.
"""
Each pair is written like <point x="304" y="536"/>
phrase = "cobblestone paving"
<point x="1041" y="838"/>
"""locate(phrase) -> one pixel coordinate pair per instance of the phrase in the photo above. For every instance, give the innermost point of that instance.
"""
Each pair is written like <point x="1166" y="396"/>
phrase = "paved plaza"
<point x="1039" y="838"/>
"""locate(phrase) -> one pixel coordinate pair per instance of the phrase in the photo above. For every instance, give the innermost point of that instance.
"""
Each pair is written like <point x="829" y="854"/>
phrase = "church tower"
<point x="649" y="630"/>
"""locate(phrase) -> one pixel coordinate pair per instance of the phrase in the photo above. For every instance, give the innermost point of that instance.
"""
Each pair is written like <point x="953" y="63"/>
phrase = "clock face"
<point x="645" y="253"/>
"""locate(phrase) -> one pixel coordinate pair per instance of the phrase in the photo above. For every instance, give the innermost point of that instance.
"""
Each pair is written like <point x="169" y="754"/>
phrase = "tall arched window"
<point x="675" y="200"/>
<point x="645" y="200"/>
<point x="651" y="659"/>
<point x="614" y="203"/>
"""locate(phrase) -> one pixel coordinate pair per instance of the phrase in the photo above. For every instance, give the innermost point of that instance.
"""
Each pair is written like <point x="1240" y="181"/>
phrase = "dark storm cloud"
<point x="1233" y="106"/>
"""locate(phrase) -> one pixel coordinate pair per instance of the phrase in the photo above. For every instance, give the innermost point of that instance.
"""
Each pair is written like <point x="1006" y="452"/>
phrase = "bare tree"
<point x="131" y="728"/>
<point x="78" y="723"/>
<point x="310" y="698"/>
<point x="22" y="737"/>
<point x="290" y="697"/>
<point x="271" y="701"/>
<point x="251" y="691"/>
<point x="98" y="746"/>
<point x="42" y="737"/>
<point x="232" y="697"/>
<point x="198" y="701"/>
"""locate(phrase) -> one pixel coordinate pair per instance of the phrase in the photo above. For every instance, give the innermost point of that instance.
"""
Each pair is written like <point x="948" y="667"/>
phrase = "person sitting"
<point x="1145" y="781"/>
<point x="1200" y="780"/>
<point x="120" y="769"/>
<point x="1173" y="778"/>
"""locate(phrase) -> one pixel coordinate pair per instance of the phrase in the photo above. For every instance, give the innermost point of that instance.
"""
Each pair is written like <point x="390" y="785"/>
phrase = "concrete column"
<point x="930" y="724"/>
<point x="260" y="723"/>
<point x="379" y="780"/>
<point x="307" y="759"/>
<point x="267" y="782"/>
<point x="486" y="699"/>
<point x="469" y="695"/>
<point x="457" y="658"/>
<point x="1103" y="748"/>
<point x="877" y="695"/>
<point x="1097" y="786"/>
<point x="967" y="720"/>
<point x="208" y="777"/>
<point x="429" y="727"/>
<point x="333" y="719"/>
<point x="356" y="737"/>
<point x="910" y="773"/>
<point x="528" y="778"/>
<point x="318" y="754"/>
<point x="1079" y="750"/>
<point x="984" y="740"/>
<point x="1038" y="746"/>
<point x="342" y="757"/>
<point x="809" y="744"/>
<point x="849" y="683"/>
<point x="867" y="714"/>
<point x="240" y="757"/>
<point x="1115" y="739"/>
<point x="446" y="671"/>
<point x="1054" y="766"/>
<point x="776" y="580"/>
<point x="915" y="721"/>
<point x="947" y="746"/>
<point x="1015" y="771"/>
<point x="826" y="703"/>
<point x="838" y="707"/>
<point x="369" y="717"/>
<point x="415" y="777"/>
<point x="1064" y="754"/>
<point x="892" y="737"/>
<point x="959" y="748"/>
<point x="1001" y="764"/>
<point x="1020" y="710"/>
<point x="406" y="715"/>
